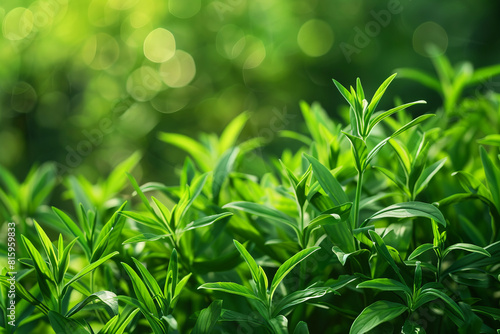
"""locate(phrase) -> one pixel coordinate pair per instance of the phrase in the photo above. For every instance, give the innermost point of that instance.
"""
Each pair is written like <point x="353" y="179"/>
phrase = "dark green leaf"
<point x="375" y="314"/>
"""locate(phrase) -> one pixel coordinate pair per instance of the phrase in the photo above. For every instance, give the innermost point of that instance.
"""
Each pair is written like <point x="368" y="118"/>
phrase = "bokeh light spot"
<point x="179" y="70"/>
<point x="122" y="4"/>
<point x="315" y="38"/>
<point x="230" y="41"/>
<point x="24" y="97"/>
<point x="184" y="9"/>
<point x="256" y="54"/>
<point x="17" y="24"/>
<point x="144" y="83"/>
<point x="430" y="35"/>
<point x="101" y="51"/>
<point x="159" y="45"/>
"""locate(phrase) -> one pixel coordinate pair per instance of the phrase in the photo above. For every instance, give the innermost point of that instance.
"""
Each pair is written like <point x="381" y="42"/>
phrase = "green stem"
<point x="357" y="198"/>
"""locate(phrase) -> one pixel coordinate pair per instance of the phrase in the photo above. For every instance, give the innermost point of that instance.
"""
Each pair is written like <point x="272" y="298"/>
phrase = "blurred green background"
<point x="86" y="83"/>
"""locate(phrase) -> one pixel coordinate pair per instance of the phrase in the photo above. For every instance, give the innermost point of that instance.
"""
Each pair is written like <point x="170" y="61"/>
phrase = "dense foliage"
<point x="386" y="222"/>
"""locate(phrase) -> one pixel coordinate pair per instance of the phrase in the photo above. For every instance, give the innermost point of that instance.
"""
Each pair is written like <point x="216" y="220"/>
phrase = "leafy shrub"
<point x="370" y="227"/>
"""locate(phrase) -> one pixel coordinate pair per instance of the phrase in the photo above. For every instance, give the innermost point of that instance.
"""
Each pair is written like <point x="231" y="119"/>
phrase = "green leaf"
<point x="385" y="284"/>
<point x="254" y="268"/>
<point x="409" y="210"/>
<point x="394" y="178"/>
<point x="411" y="124"/>
<point x="375" y="314"/>
<point x="376" y="98"/>
<point x="264" y="212"/>
<point x="345" y="93"/>
<point x="389" y="112"/>
<point x="63" y="325"/>
<point x="490" y="140"/>
<point x="343" y="256"/>
<point x="116" y="180"/>
<point x="288" y="265"/>
<point x="492" y="177"/>
<point x="145" y="237"/>
<point x="48" y="248"/>
<point x="108" y="298"/>
<point x="231" y="132"/>
<point x="490" y="311"/>
<point x="232" y="288"/>
<point x="484" y="73"/>
<point x="420" y="77"/>
<point x="144" y="220"/>
<point x="191" y="146"/>
<point x="139" y="192"/>
<point x="150" y="282"/>
<point x="337" y="229"/>
<point x="301" y="328"/>
<point x="329" y="184"/>
<point x="403" y="155"/>
<point x="141" y="292"/>
<point x="170" y="287"/>
<point x="73" y="229"/>
<point x="301" y="296"/>
<point x="208" y="318"/>
<point x="420" y="250"/>
<point x="466" y="247"/>
<point x="427" y="174"/>
<point x="441" y="295"/>
<point x="222" y="170"/>
<point x="359" y="151"/>
<point x="88" y="269"/>
<point x="206" y="221"/>
<point x="382" y="251"/>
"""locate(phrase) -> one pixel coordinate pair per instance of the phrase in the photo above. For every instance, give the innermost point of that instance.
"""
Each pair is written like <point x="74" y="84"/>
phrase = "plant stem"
<point x="357" y="198"/>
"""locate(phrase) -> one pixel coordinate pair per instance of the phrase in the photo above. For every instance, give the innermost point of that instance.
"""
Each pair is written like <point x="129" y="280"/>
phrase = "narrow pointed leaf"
<point x="375" y="314"/>
<point x="289" y="264"/>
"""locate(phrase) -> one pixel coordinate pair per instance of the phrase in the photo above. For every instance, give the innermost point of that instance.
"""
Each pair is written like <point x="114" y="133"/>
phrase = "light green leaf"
<point x="389" y="112"/>
<point x="141" y="292"/>
<point x="420" y="250"/>
<point x="88" y="269"/>
<point x="420" y="77"/>
<point x="191" y="146"/>
<point x="222" y="170"/>
<point x="411" y="124"/>
<point x="288" y="265"/>
<point x="230" y="287"/>
<point x="231" y="132"/>
<point x="329" y="184"/>
<point x="492" y="177"/>
<point x="205" y="221"/>
<point x="382" y="250"/>
<point x="466" y="247"/>
<point x="427" y="174"/>
<point x="493" y="139"/>
<point x="62" y="325"/>
<point x="254" y="268"/>
<point x="108" y="298"/>
<point x="145" y="237"/>
<point x="409" y="210"/>
<point x="359" y="151"/>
